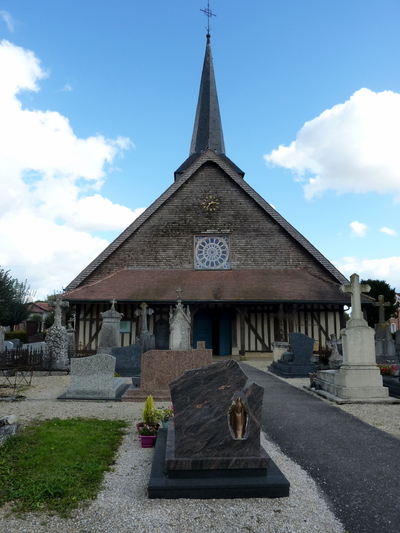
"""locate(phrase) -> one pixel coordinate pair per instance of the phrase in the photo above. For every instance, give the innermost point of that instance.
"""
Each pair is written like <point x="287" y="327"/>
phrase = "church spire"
<point x="207" y="131"/>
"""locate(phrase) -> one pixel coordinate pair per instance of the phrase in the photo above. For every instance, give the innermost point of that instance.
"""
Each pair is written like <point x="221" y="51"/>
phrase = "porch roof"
<point x="242" y="285"/>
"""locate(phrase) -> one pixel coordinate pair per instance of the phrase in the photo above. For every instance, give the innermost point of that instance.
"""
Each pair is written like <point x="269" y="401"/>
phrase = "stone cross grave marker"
<point x="381" y="304"/>
<point x="144" y="311"/>
<point x="59" y="305"/>
<point x="355" y="289"/>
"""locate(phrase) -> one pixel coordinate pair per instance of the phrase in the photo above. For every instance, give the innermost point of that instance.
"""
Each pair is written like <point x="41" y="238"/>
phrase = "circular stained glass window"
<point x="212" y="252"/>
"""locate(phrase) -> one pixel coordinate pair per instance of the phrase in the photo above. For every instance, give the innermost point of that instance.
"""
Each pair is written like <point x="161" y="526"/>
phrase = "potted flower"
<point x="147" y="435"/>
<point x="151" y="417"/>
<point x="166" y="413"/>
<point x="388" y="370"/>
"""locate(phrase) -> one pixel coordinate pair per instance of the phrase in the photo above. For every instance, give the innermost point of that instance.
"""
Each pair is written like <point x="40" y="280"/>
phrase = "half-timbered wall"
<point x="260" y="324"/>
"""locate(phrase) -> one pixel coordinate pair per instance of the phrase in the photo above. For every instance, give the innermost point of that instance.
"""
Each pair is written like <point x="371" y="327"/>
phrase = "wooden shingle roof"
<point x="208" y="156"/>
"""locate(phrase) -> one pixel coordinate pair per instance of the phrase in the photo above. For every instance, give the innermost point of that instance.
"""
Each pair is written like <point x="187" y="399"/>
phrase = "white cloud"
<point x="47" y="179"/>
<point x="67" y="87"/>
<point x="5" y="15"/>
<point x="384" y="269"/>
<point x="358" y="229"/>
<point x="389" y="231"/>
<point x="352" y="147"/>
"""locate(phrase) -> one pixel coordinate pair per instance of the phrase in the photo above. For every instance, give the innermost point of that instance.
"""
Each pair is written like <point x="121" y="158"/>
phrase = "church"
<point x="247" y="276"/>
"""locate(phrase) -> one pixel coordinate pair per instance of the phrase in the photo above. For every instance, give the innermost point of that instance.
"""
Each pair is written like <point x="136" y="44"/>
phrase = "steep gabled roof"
<point x="208" y="156"/>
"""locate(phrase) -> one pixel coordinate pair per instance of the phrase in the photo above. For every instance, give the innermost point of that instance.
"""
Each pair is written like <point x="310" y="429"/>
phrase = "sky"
<point x="97" y="105"/>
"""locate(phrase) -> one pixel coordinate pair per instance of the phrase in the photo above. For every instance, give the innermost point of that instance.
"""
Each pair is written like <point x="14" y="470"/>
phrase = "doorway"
<point x="214" y="327"/>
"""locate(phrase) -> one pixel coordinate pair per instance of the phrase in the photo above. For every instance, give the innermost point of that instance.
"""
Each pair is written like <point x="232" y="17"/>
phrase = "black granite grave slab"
<point x="243" y="483"/>
<point x="128" y="360"/>
<point x="212" y="463"/>
<point x="393" y="384"/>
<point x="296" y="363"/>
<point x="202" y="398"/>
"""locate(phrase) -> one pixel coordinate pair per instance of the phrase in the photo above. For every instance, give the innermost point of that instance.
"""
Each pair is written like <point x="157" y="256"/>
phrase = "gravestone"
<point x="109" y="336"/>
<point x="278" y="348"/>
<point x="8" y="345"/>
<point x="212" y="446"/>
<point x="161" y="334"/>
<point x="145" y="339"/>
<point x="8" y="427"/>
<point x="92" y="378"/>
<point x="358" y="379"/>
<point x="159" y="367"/>
<point x="57" y="339"/>
<point x="71" y="343"/>
<point x="35" y="346"/>
<point x="336" y="356"/>
<point x="17" y="343"/>
<point x="128" y="360"/>
<point x="180" y="327"/>
<point x="296" y="362"/>
<point x="385" y="350"/>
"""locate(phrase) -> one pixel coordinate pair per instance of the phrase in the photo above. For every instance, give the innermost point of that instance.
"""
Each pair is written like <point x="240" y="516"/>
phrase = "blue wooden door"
<point x="225" y="333"/>
<point x="202" y="328"/>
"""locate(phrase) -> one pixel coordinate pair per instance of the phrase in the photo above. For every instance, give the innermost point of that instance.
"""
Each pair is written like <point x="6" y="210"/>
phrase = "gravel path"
<point x="122" y="505"/>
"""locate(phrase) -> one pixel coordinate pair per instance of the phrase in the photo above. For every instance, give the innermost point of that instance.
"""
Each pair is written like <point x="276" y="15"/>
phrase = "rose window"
<point x="212" y="253"/>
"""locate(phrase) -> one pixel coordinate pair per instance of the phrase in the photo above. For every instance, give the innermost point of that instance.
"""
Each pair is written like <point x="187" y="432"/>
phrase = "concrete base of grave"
<point x="291" y="370"/>
<point x="352" y="383"/>
<point x="278" y="349"/>
<point x="61" y="364"/>
<point x="213" y="483"/>
<point x="134" y="394"/>
<point x="120" y="385"/>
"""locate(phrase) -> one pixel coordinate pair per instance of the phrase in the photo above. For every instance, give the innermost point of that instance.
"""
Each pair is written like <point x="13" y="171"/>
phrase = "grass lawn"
<point x="54" y="464"/>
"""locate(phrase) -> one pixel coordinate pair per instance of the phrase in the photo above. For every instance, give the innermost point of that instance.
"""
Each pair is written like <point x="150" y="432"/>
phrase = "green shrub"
<point x="21" y="335"/>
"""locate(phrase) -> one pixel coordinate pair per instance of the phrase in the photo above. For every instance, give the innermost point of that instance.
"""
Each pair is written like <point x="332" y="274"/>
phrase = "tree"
<point x="14" y="299"/>
<point x="379" y="287"/>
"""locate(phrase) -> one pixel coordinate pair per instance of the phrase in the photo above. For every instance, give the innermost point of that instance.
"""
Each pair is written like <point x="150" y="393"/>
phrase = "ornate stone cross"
<point x="178" y="292"/>
<point x="113" y="302"/>
<point x="381" y="304"/>
<point x="144" y="311"/>
<point x="58" y="305"/>
<point x="355" y="289"/>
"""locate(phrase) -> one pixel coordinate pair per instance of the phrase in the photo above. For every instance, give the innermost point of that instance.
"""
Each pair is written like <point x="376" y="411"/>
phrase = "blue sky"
<point x="97" y="109"/>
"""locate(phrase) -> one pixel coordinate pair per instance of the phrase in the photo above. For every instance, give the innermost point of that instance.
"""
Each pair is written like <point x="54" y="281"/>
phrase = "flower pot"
<point x="147" y="441"/>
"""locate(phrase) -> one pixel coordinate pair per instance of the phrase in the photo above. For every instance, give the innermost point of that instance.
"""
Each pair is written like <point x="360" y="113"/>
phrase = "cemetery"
<point x="211" y="432"/>
<point x="216" y="334"/>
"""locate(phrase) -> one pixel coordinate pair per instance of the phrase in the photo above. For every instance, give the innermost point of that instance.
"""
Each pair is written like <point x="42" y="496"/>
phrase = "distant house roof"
<point x="241" y="285"/>
<point x="39" y="307"/>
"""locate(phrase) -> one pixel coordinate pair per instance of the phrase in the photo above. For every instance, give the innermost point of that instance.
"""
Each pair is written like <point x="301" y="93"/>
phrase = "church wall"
<point x="166" y="239"/>
<point x="316" y="321"/>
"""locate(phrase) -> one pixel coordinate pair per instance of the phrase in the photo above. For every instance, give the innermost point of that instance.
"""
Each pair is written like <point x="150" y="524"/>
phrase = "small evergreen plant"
<point x="151" y="415"/>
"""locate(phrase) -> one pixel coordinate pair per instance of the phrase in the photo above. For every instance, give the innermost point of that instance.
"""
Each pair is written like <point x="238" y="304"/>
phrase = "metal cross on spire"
<point x="208" y="13"/>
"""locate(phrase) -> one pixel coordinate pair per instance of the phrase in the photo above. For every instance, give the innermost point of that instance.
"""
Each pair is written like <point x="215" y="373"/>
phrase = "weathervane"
<point x="208" y="13"/>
